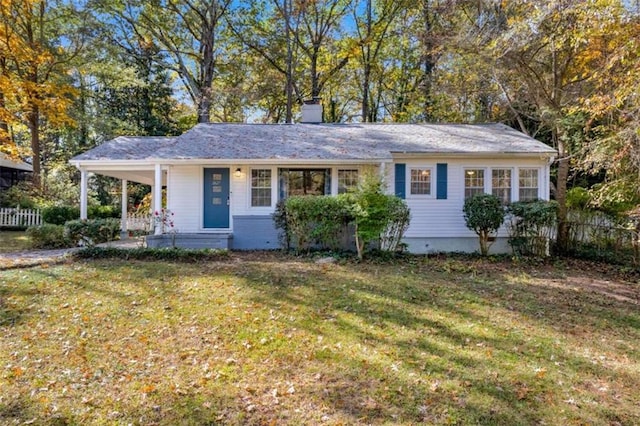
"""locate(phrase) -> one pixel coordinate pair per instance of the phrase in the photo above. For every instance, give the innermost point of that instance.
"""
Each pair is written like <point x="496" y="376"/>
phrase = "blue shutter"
<point x="401" y="177"/>
<point x="441" y="181"/>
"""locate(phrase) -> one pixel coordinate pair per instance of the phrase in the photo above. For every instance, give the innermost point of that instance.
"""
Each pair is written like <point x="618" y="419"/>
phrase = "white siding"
<point x="241" y="191"/>
<point x="435" y="218"/>
<point x="184" y="197"/>
<point x="430" y="217"/>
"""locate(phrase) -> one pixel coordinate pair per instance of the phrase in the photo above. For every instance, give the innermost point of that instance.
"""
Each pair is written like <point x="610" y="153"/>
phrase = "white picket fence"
<point x="139" y="222"/>
<point x="19" y="218"/>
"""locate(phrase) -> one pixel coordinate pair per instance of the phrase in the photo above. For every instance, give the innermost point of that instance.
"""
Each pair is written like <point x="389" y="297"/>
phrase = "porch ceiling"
<point x="145" y="177"/>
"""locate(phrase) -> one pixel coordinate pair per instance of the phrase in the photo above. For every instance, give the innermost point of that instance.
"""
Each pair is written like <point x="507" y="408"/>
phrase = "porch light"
<point x="238" y="172"/>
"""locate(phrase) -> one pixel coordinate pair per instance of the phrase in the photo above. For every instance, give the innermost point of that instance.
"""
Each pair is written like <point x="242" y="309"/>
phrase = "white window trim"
<point x="517" y="177"/>
<point x="432" y="190"/>
<point x="514" y="181"/>
<point x="486" y="184"/>
<point x="335" y="185"/>
<point x="274" y="185"/>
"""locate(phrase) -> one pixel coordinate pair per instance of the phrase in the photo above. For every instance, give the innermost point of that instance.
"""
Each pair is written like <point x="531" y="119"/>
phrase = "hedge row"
<point x="73" y="233"/>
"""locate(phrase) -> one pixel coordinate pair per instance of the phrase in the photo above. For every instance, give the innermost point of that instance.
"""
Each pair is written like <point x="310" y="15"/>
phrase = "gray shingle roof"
<point x="320" y="142"/>
<point x="127" y="148"/>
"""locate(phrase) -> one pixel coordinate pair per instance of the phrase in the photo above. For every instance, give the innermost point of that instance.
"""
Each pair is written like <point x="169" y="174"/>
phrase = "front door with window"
<point x="216" y="198"/>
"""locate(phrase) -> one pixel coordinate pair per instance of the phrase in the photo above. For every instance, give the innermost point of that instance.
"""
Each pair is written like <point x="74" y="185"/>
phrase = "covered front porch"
<point x="158" y="222"/>
<point x="154" y="176"/>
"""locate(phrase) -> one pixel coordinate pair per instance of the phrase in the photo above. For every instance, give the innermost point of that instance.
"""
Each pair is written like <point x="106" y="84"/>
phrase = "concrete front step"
<point x="191" y="241"/>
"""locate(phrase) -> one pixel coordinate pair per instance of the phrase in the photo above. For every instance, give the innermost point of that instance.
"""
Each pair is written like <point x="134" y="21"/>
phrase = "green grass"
<point x="268" y="339"/>
<point x="12" y="241"/>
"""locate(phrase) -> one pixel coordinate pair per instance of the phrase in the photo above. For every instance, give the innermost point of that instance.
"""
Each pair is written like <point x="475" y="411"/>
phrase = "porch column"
<point x="83" y="194"/>
<point x="124" y="201"/>
<point x="157" y="196"/>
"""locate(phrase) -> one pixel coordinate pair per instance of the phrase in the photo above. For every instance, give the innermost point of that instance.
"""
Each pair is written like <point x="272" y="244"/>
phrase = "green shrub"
<point x="153" y="254"/>
<point x="316" y="220"/>
<point x="378" y="217"/>
<point x="484" y="214"/>
<point x="48" y="236"/>
<point x="59" y="215"/>
<point x="325" y="222"/>
<point x="531" y="226"/>
<point x="280" y="222"/>
<point x="103" y="212"/>
<point x="21" y="194"/>
<point x="578" y="198"/>
<point x="92" y="231"/>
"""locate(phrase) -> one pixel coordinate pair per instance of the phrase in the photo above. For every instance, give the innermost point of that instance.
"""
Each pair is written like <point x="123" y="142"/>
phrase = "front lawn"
<point x="12" y="241"/>
<point x="269" y="339"/>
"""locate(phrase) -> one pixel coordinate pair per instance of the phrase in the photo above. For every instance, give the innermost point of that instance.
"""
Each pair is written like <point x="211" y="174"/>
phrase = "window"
<point x="473" y="182"/>
<point x="260" y="187"/>
<point x="420" y="182"/>
<point x="304" y="182"/>
<point x="501" y="184"/>
<point x="347" y="180"/>
<point x="528" y="184"/>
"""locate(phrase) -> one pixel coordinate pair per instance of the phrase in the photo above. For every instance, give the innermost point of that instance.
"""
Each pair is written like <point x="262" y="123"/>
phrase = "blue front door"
<point x="216" y="198"/>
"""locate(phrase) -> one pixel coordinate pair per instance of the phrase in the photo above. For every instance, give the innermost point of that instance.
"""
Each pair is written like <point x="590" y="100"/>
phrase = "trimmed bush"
<point x="379" y="219"/>
<point x="152" y="254"/>
<point x="484" y="214"/>
<point x="92" y="231"/>
<point x="59" y="215"/>
<point x="48" y="236"/>
<point x="319" y="221"/>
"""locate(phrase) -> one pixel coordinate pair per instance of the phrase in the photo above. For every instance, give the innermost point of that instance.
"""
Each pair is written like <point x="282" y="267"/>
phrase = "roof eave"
<point x="460" y="154"/>
<point x="150" y="163"/>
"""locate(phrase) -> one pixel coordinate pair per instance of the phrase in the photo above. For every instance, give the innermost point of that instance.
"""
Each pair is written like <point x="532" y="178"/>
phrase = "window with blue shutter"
<point x="441" y="181"/>
<point x="401" y="177"/>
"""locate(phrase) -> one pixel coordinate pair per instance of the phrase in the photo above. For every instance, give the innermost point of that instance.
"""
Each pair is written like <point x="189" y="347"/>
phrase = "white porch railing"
<point x="19" y="218"/>
<point x="139" y="222"/>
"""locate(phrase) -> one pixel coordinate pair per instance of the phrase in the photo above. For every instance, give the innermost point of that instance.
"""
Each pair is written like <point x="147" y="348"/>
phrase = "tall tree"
<point x="373" y="23"/>
<point x="38" y="41"/>
<point x="546" y="48"/>
<point x="613" y="109"/>
<point x="188" y="31"/>
<point x="299" y="39"/>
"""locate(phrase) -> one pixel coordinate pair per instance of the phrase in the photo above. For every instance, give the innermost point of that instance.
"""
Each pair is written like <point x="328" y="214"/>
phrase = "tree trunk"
<point x="315" y="78"/>
<point x="366" y="50"/>
<point x="208" y="64"/>
<point x="289" y="76"/>
<point x="428" y="59"/>
<point x="4" y="126"/>
<point x="484" y="241"/>
<point x="34" y="129"/>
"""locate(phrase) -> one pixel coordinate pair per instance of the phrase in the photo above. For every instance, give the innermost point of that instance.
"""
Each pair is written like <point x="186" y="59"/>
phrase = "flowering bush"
<point x="164" y="218"/>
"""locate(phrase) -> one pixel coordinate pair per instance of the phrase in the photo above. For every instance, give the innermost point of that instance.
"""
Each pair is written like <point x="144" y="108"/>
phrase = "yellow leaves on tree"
<point x="31" y="70"/>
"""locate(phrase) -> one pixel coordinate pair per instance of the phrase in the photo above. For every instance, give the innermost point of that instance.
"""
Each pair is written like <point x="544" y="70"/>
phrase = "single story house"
<point x="223" y="180"/>
<point x="13" y="171"/>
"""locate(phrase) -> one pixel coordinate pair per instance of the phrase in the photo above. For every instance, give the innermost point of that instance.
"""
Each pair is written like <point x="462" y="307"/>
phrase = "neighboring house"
<point x="13" y="172"/>
<point x="223" y="180"/>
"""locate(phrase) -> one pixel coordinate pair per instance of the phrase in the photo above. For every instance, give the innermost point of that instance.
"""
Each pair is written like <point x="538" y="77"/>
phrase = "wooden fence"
<point x="139" y="222"/>
<point x="19" y="218"/>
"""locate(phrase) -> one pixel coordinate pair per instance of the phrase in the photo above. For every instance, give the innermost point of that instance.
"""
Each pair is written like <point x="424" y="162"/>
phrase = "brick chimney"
<point x="312" y="111"/>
